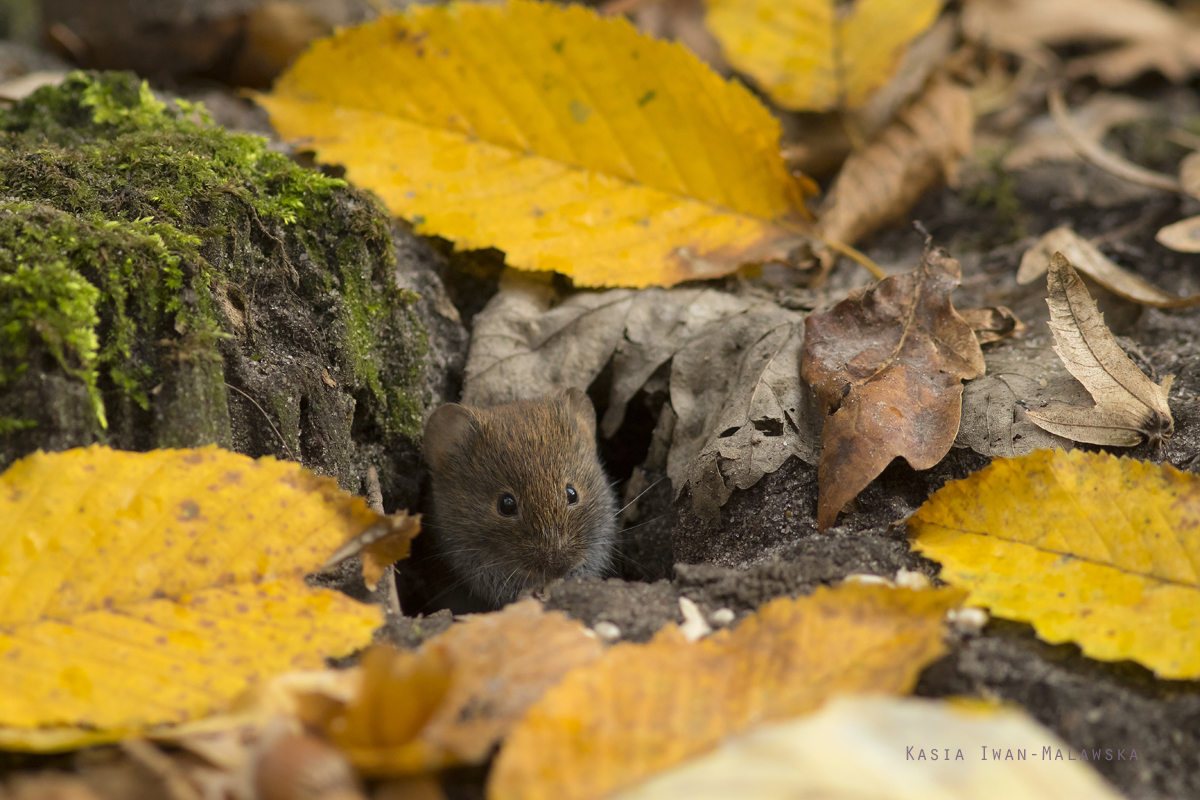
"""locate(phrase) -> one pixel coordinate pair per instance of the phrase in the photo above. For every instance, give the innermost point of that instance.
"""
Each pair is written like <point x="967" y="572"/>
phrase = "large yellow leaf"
<point x="815" y="55"/>
<point x="143" y="588"/>
<point x="642" y="708"/>
<point x="571" y="142"/>
<point x="1089" y="548"/>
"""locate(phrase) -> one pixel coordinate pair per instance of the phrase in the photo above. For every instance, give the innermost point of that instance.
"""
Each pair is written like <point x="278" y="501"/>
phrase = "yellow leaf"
<point x="642" y="708"/>
<point x="880" y="748"/>
<point x="145" y="588"/>
<point x="1089" y="548"/>
<point x="812" y="55"/>
<point x="571" y="142"/>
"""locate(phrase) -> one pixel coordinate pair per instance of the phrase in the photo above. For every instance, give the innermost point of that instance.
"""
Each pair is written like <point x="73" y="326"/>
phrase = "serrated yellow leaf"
<point x="815" y="55"/>
<point x="1089" y="548"/>
<point x="571" y="142"/>
<point x="144" y="588"/>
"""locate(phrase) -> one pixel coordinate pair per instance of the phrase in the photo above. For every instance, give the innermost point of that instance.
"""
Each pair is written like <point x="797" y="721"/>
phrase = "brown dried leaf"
<point x="1183" y="237"/>
<point x="1019" y="376"/>
<point x="292" y="766"/>
<point x="1151" y="34"/>
<point x="882" y="182"/>
<point x="992" y="324"/>
<point x="381" y="545"/>
<point x="888" y="363"/>
<point x="1042" y="139"/>
<point x="1088" y="259"/>
<point x="1129" y="406"/>
<point x="1189" y="174"/>
<point x="1102" y="157"/>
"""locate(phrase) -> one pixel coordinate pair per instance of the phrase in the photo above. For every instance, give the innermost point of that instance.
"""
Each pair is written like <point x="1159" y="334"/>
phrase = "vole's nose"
<point x="555" y="558"/>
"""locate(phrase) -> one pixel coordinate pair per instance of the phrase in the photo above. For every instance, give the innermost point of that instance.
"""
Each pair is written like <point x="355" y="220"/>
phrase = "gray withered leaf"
<point x="733" y="381"/>
<point x="1129" y="406"/>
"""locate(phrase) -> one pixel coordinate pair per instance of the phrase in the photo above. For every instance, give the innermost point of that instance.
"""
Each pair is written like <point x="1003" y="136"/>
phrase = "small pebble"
<point x="607" y="631"/>
<point x="694" y="625"/>
<point x="867" y="579"/>
<point x="910" y="579"/>
<point x="967" y="620"/>
<point x="722" y="617"/>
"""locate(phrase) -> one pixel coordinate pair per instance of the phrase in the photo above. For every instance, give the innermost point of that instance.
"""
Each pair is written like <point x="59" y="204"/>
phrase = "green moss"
<point x="370" y="298"/>
<point x="120" y="217"/>
<point x="112" y="196"/>
<point x="998" y="192"/>
<point x="105" y="144"/>
<point x="44" y="299"/>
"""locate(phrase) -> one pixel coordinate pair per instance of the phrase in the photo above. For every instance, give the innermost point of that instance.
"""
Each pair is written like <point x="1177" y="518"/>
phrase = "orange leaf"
<point x="453" y="700"/>
<point x="642" y="708"/>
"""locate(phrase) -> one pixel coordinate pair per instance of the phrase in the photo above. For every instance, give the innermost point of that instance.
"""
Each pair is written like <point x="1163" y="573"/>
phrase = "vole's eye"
<point x="507" y="505"/>
<point x="572" y="495"/>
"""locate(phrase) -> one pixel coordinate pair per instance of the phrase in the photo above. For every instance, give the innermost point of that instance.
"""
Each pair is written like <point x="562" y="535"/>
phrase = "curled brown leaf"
<point x="887" y="363"/>
<point x="880" y="183"/>
<point x="992" y="324"/>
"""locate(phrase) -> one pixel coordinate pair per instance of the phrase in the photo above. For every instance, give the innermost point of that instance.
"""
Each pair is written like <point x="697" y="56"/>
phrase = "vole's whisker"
<point x="641" y="495"/>
<point x="623" y="531"/>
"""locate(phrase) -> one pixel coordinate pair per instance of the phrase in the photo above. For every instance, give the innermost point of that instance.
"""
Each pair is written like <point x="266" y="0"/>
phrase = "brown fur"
<point x="533" y="450"/>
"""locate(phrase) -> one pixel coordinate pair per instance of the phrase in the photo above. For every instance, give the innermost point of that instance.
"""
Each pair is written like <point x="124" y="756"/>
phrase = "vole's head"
<point x="520" y="498"/>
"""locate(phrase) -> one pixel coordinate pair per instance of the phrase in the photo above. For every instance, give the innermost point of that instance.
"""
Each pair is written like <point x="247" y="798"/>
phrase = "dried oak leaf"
<point x="881" y="182"/>
<point x="1129" y="406"/>
<point x="1020" y="375"/>
<point x="993" y="324"/>
<point x="887" y="364"/>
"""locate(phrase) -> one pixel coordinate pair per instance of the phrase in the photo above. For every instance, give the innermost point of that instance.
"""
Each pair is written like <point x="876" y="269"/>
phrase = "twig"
<point x="1104" y="159"/>
<point x="282" y="441"/>
<point x="374" y="490"/>
<point x="387" y="592"/>
<point x="849" y="252"/>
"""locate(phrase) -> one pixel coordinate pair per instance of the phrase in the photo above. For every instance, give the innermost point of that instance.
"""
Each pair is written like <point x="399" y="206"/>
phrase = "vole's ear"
<point x="446" y="434"/>
<point x="579" y="407"/>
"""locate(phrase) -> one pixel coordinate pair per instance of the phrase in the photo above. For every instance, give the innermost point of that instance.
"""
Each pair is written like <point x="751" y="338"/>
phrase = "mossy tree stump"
<point x="166" y="283"/>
